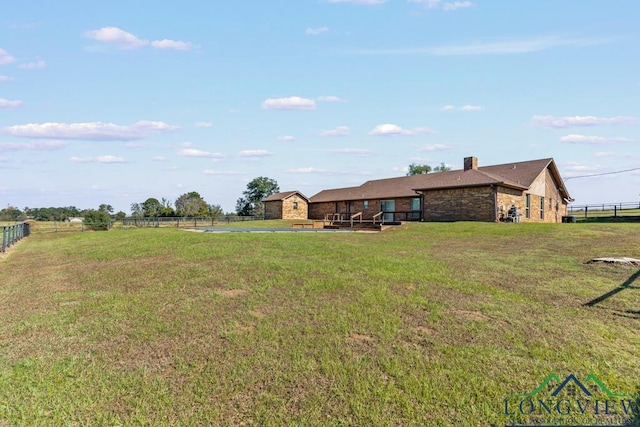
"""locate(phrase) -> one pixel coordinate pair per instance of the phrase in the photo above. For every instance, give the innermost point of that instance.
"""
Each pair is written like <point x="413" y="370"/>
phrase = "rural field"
<point x="426" y="324"/>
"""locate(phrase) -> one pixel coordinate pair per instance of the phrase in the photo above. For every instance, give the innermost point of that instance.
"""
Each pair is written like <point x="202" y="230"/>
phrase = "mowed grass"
<point x="426" y="324"/>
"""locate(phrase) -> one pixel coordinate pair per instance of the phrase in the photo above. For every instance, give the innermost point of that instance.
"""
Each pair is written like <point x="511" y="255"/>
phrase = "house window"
<point x="365" y="205"/>
<point x="295" y="206"/>
<point x="527" y="206"/>
<point x="541" y="207"/>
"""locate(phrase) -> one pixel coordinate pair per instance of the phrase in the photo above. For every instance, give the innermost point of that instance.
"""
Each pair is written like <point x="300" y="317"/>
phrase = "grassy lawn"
<point x="427" y="324"/>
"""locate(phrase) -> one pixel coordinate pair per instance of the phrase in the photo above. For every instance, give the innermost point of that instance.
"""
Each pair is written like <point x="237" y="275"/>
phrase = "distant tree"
<point x="136" y="210"/>
<point x="251" y="202"/>
<point x="54" y="214"/>
<point x="442" y="168"/>
<point x="106" y="208"/>
<point x="215" y="211"/>
<point x="120" y="216"/>
<point x="191" y="204"/>
<point x="415" y="169"/>
<point x="167" y="210"/>
<point x="151" y="208"/>
<point x="96" y="219"/>
<point x="11" y="214"/>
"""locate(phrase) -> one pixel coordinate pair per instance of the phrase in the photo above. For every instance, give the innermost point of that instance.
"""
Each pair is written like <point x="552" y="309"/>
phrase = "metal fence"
<point x="185" y="222"/>
<point x="12" y="233"/>
<point x="605" y="210"/>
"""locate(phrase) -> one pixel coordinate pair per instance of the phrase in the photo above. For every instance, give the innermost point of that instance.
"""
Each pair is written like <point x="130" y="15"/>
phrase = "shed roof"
<point x="283" y="195"/>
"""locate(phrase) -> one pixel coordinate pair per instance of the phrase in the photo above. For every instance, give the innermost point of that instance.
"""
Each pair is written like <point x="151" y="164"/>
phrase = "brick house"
<point x="286" y="205"/>
<point x="533" y="188"/>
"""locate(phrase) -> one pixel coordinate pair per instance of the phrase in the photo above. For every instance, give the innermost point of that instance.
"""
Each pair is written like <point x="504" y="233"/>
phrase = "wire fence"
<point x="605" y="210"/>
<point x="13" y="233"/>
<point x="185" y="222"/>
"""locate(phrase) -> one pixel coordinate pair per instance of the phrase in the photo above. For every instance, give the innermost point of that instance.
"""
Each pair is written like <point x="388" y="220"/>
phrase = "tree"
<point x="106" y="208"/>
<point x="415" y="169"/>
<point x="191" y="204"/>
<point x="442" y="168"/>
<point x="215" y="211"/>
<point x="97" y="220"/>
<point x="136" y="210"/>
<point x="251" y="202"/>
<point x="151" y="208"/>
<point x="11" y="214"/>
<point x="120" y="216"/>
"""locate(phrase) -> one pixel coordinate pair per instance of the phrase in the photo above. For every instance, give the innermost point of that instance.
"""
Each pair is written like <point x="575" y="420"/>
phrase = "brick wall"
<point x="273" y="210"/>
<point x="460" y="204"/>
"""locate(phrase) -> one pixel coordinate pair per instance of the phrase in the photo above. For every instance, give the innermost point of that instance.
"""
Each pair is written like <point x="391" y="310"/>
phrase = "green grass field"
<point x="426" y="324"/>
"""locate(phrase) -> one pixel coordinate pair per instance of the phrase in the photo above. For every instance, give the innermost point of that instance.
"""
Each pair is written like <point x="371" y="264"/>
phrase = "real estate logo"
<point x="570" y="401"/>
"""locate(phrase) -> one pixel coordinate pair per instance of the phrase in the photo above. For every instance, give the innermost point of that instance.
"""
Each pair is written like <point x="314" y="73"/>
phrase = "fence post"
<point x="586" y="209"/>
<point x="615" y="211"/>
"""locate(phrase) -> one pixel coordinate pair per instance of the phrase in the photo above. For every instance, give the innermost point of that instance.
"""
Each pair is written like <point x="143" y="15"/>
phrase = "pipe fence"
<point x="13" y="233"/>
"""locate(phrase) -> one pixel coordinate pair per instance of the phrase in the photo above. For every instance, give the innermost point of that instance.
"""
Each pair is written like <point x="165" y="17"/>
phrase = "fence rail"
<point x="185" y="222"/>
<point x="605" y="210"/>
<point x="12" y="233"/>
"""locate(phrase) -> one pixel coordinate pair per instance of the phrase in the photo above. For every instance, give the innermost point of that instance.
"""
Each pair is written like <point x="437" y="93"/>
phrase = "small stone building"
<point x="533" y="189"/>
<point x="286" y="205"/>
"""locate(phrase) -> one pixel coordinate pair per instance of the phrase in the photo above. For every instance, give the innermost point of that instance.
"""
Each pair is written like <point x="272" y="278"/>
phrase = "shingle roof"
<point x="283" y="195"/>
<point x="519" y="175"/>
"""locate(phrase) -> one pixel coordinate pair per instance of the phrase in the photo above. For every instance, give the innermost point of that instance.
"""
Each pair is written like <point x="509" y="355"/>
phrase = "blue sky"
<point x="114" y="102"/>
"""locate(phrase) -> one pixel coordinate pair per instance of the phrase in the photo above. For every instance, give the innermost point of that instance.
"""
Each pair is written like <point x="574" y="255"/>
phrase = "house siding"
<point x="273" y="210"/>
<point x="460" y="204"/>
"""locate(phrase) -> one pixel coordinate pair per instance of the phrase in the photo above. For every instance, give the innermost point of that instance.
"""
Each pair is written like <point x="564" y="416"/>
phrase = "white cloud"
<point x="435" y="147"/>
<point x="194" y="152"/>
<point x="159" y="159"/>
<point x="203" y="125"/>
<point x="430" y="4"/>
<point x="316" y="31"/>
<point x="94" y="131"/>
<point x="585" y="139"/>
<point x="448" y="108"/>
<point x="353" y="151"/>
<point x="331" y="99"/>
<point x="471" y="108"/>
<point x="291" y="103"/>
<point x="389" y="129"/>
<point x="217" y="172"/>
<point x="100" y="159"/>
<point x="171" y="44"/>
<point x="37" y="65"/>
<point x="5" y="103"/>
<point x="506" y="47"/>
<point x="5" y="58"/>
<point x="32" y="146"/>
<point x="604" y="154"/>
<point x="287" y="138"/>
<point x="404" y="169"/>
<point x="358" y="1"/>
<point x="449" y="6"/>
<point x="573" y="121"/>
<point x="309" y="170"/>
<point x="5" y="78"/>
<point x="117" y="36"/>
<point x="338" y="131"/>
<point x="254" y="153"/>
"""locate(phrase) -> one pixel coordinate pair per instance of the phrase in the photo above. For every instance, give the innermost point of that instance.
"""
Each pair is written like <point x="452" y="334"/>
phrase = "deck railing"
<point x="354" y="216"/>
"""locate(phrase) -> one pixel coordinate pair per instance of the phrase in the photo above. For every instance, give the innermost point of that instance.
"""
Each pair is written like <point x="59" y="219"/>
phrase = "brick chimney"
<point x="470" y="163"/>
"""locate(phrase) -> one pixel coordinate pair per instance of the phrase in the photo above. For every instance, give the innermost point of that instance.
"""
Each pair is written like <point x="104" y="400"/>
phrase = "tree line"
<point x="190" y="204"/>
